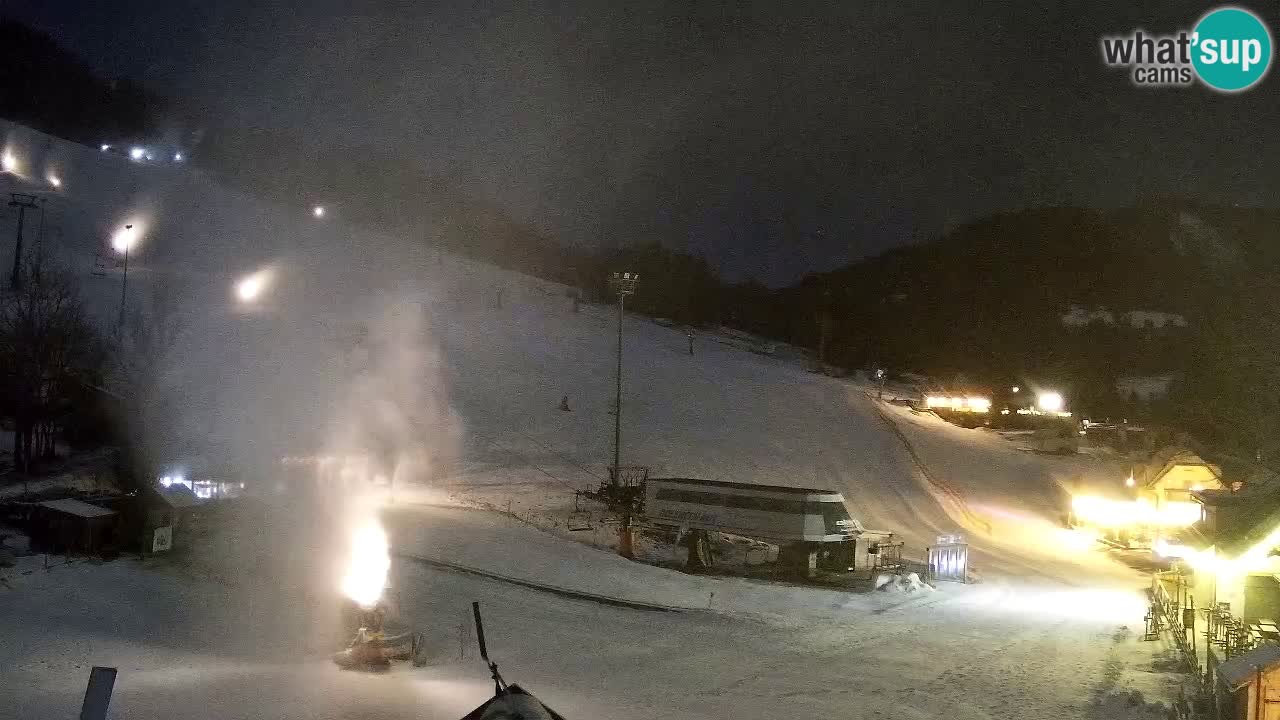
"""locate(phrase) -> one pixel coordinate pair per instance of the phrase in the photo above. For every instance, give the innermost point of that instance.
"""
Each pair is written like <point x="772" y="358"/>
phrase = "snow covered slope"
<point x="475" y="386"/>
<point x="478" y="385"/>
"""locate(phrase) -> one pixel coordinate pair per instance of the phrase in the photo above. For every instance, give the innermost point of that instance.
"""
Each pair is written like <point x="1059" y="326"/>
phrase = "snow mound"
<point x="910" y="582"/>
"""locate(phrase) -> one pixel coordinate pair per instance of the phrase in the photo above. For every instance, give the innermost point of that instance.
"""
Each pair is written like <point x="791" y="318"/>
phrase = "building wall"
<point x="1261" y="598"/>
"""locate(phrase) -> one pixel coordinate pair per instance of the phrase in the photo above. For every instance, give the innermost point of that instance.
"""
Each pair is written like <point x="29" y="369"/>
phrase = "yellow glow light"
<point x="368" y="564"/>
<point x="1108" y="513"/>
<point x="1049" y="401"/>
<point x="978" y="404"/>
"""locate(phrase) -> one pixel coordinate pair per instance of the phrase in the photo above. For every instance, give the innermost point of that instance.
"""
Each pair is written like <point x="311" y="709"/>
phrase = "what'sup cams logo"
<point x="1229" y="51"/>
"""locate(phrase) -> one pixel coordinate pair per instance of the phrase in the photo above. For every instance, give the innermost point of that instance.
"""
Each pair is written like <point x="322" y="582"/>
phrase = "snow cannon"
<point x="373" y="648"/>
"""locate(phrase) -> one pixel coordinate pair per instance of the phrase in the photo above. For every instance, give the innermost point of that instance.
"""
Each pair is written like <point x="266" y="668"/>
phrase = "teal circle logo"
<point x="1231" y="49"/>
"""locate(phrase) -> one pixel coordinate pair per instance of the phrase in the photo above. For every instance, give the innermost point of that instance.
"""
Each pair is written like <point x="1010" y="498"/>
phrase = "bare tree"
<point x="48" y="350"/>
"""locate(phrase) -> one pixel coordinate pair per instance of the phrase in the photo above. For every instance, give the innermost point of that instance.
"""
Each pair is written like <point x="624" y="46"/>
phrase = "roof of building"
<point x="178" y="496"/>
<point x="1241" y="669"/>
<point x="746" y="486"/>
<point x="71" y="506"/>
<point x="1170" y="457"/>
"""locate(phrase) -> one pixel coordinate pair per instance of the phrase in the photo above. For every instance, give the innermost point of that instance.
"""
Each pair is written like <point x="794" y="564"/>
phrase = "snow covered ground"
<point x="1050" y="632"/>
<point x="246" y="646"/>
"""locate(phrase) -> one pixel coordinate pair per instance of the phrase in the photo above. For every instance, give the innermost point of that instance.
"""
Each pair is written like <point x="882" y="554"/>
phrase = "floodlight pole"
<point x="624" y="284"/>
<point x="124" y="281"/>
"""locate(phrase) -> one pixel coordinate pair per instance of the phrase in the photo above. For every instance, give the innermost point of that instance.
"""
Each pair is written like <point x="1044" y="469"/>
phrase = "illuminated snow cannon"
<point x="364" y="585"/>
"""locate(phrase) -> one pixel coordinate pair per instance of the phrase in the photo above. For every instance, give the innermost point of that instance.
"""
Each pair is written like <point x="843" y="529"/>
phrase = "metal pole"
<point x="15" y="279"/>
<point x="40" y="242"/>
<point x="617" y="397"/>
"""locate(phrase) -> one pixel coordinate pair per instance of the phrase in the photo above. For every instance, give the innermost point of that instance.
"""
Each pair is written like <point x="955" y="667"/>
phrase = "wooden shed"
<point x="1249" y="685"/>
<point x="72" y="526"/>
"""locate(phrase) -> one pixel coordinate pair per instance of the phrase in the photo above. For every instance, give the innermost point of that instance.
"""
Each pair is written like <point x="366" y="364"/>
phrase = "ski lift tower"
<point x="623" y="491"/>
<point x="624" y="284"/>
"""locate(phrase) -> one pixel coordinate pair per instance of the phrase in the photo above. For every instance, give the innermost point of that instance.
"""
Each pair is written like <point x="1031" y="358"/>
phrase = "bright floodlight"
<point x="318" y="211"/>
<point x="137" y="153"/>
<point x="124" y="238"/>
<point x="250" y="288"/>
<point x="104" y="147"/>
<point x="55" y="181"/>
<point x="1049" y="401"/>
<point x="9" y="162"/>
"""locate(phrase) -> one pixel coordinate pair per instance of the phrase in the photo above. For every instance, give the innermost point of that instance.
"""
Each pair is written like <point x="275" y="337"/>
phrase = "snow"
<point x="192" y="645"/>
<point x="472" y="391"/>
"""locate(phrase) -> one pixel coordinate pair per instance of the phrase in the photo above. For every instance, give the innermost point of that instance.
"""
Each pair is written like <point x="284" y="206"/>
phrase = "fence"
<point x="1174" y="612"/>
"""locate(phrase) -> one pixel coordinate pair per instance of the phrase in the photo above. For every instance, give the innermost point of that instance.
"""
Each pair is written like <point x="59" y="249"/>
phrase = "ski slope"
<point x="469" y="390"/>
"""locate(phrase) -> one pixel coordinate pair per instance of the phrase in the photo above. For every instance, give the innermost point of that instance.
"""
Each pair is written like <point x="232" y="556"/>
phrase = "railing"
<point x="1174" y="612"/>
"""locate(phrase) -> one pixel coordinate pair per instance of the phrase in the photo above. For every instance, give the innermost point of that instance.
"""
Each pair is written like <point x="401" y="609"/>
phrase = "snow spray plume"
<point x="392" y="431"/>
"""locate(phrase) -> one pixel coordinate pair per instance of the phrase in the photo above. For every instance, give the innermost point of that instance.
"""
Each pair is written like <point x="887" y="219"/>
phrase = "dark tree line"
<point x="52" y="90"/>
<point x="50" y="359"/>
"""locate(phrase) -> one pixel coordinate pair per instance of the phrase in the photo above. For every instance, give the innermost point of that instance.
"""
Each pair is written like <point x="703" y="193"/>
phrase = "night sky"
<point x="774" y="138"/>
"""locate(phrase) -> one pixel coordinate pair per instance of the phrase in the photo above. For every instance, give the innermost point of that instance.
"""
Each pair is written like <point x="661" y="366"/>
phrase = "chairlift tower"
<point x="623" y="283"/>
<point x="623" y="490"/>
<point x="23" y="203"/>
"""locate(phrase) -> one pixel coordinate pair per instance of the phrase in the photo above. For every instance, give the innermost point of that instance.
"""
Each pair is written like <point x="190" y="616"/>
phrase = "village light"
<point x="9" y="162"/>
<point x="137" y="153"/>
<point x="1049" y="401"/>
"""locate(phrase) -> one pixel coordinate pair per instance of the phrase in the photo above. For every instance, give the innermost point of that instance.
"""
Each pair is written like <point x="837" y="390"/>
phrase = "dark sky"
<point x="773" y="137"/>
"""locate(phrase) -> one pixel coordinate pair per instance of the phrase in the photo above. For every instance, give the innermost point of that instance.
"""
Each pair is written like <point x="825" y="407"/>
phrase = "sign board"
<point x="97" y="696"/>
<point x="162" y="540"/>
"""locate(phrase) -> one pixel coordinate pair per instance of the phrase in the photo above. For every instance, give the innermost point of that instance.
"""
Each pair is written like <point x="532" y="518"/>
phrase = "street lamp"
<point x="121" y="242"/>
<point x="250" y="287"/>
<point x="318" y="211"/>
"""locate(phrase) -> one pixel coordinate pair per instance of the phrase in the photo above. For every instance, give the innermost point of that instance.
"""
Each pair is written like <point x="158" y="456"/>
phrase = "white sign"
<point x="163" y="539"/>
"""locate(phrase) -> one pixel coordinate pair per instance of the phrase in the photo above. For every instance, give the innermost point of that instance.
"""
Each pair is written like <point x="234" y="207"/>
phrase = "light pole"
<point x="121" y="243"/>
<point x="624" y="284"/>
<point x="622" y="498"/>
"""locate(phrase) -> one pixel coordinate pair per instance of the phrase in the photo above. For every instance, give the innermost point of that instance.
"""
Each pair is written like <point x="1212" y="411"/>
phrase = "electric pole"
<point x="22" y="202"/>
